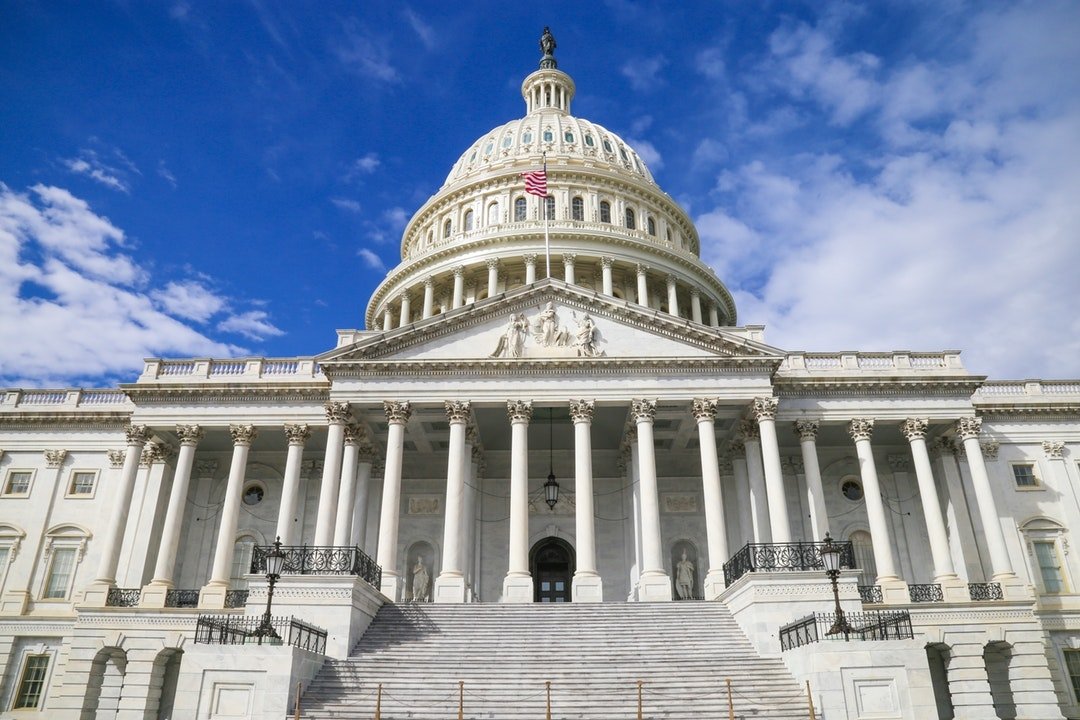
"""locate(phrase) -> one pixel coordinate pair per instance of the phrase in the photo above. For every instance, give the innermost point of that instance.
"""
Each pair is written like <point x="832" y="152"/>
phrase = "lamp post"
<point x="275" y="563"/>
<point x="830" y="558"/>
<point x="551" y="487"/>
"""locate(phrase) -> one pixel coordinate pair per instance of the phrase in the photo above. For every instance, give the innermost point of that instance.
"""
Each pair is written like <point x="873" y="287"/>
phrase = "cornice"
<point x="316" y="392"/>
<point x="878" y="386"/>
<point x="64" y="420"/>
<point x="489" y="367"/>
<point x="1026" y="413"/>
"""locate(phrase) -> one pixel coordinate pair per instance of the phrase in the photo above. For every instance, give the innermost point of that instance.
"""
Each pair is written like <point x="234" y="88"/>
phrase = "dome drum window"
<point x="549" y="136"/>
<point x="605" y="211"/>
<point x="468" y="224"/>
<point x="631" y="223"/>
<point x="448" y="227"/>
<point x="577" y="208"/>
<point x="568" y="136"/>
<point x="549" y="208"/>
<point x="520" y="210"/>
<point x="652" y="226"/>
<point x="589" y="140"/>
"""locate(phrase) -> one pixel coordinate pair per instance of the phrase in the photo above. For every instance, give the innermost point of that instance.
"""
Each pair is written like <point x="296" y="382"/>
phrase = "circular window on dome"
<point x="851" y="489"/>
<point x="488" y="148"/>
<point x="507" y="140"/>
<point x="568" y="136"/>
<point x="589" y="140"/>
<point x="253" y="494"/>
<point x="527" y="137"/>
<point x="472" y="157"/>
<point x="607" y="146"/>
<point x="549" y="136"/>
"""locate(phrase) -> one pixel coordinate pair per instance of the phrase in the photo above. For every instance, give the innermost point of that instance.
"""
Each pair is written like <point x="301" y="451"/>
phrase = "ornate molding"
<point x="242" y="434"/>
<point x="205" y="468"/>
<point x="189" y="434"/>
<point x="898" y="463"/>
<point x="366" y="454"/>
<point x="861" y="429"/>
<point x="968" y="427"/>
<point x="607" y="262"/>
<point x="990" y="449"/>
<point x="737" y="446"/>
<point x="353" y="434"/>
<point x="725" y="465"/>
<point x="643" y="410"/>
<point x="311" y="468"/>
<point x="337" y="412"/>
<point x="1054" y="449"/>
<point x="519" y="410"/>
<point x="703" y="409"/>
<point x="806" y="429"/>
<point x="749" y="431"/>
<point x="915" y="428"/>
<point x="297" y="434"/>
<point x="155" y="452"/>
<point x="944" y="445"/>
<point x="764" y="408"/>
<point x="458" y="411"/>
<point x="582" y="410"/>
<point x="397" y="412"/>
<point x="116" y="458"/>
<point x="793" y="465"/>
<point x="137" y="434"/>
<point x="54" y="458"/>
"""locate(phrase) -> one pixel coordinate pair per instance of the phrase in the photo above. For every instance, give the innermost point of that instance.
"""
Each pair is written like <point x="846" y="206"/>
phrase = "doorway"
<point x="551" y="562"/>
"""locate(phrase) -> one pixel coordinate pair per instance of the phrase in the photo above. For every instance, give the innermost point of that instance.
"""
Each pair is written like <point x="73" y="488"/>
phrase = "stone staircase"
<point x="593" y="654"/>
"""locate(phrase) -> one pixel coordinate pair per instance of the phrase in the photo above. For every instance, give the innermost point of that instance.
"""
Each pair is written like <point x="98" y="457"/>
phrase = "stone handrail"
<point x="871" y="361"/>
<point x="54" y="399"/>
<point x="208" y="369"/>
<point x="1027" y="389"/>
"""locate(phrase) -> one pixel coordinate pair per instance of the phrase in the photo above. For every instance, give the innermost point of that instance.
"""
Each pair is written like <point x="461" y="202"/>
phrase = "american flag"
<point x="536" y="182"/>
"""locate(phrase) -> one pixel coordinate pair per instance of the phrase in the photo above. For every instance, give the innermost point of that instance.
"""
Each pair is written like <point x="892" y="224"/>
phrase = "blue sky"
<point x="220" y="178"/>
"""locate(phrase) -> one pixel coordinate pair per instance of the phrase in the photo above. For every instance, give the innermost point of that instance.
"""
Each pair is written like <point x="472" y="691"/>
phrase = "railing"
<point x="985" y="591"/>
<point x="871" y="594"/>
<point x="862" y="626"/>
<point x="123" y="597"/>
<point x="48" y="399"/>
<point x="240" y="630"/>
<point x="758" y="557"/>
<point x="329" y="560"/>
<point x="181" y="598"/>
<point x="930" y="592"/>
<point x="235" y="598"/>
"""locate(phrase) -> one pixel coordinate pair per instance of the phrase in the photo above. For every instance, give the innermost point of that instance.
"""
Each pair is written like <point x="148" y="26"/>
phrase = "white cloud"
<point x="71" y="308"/>
<point x="365" y="54"/>
<point x="164" y="173"/>
<point x="644" y="73"/>
<point x="365" y="165"/>
<point x="347" y="204"/>
<point x="188" y="299"/>
<point x="90" y="165"/>
<point x="396" y="218"/>
<point x="253" y="324"/>
<point x="423" y="30"/>
<point x="372" y="260"/>
<point x="648" y="152"/>
<point x="710" y="63"/>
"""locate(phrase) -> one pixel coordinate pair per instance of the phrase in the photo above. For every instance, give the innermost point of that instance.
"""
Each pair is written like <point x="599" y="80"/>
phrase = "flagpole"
<point x="547" y="240"/>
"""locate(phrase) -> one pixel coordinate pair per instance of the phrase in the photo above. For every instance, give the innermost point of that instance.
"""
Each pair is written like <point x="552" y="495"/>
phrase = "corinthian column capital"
<point x="764" y="408"/>
<point x="397" y="412"/>
<point x="137" y="434"/>
<point x="915" y="428"/>
<point x="337" y="412"/>
<point x="806" y="429"/>
<point x="704" y="409"/>
<point x="519" y="410"/>
<point x="189" y="434"/>
<point x="297" y="434"/>
<point x="968" y="427"/>
<point x="861" y="428"/>
<point x="242" y="434"/>
<point x="458" y="411"/>
<point x="643" y="410"/>
<point x="582" y="410"/>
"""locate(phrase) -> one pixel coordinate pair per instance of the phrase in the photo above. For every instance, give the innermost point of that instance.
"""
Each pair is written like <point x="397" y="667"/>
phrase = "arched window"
<point x="577" y="208"/>
<point x="493" y="214"/>
<point x="630" y="219"/>
<point x="430" y="236"/>
<point x="64" y="548"/>
<point x="605" y="211"/>
<point x="468" y="220"/>
<point x="446" y="228"/>
<point x="669" y="236"/>
<point x="652" y="226"/>
<point x="519" y="209"/>
<point x="549" y="208"/>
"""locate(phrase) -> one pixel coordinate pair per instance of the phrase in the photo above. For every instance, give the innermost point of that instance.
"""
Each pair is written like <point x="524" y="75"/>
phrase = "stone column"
<point x="154" y="593"/>
<point x="606" y="281"/>
<point x="530" y="268"/>
<point x="635" y="499"/>
<point x="755" y="472"/>
<point x="743" y="502"/>
<point x="450" y="584"/>
<point x="892" y="587"/>
<point x="642" y="285"/>
<point x="914" y="429"/>
<point x="397" y="414"/>
<point x="655" y="582"/>
<point x="715" y="529"/>
<point x="388" y="317"/>
<point x="365" y="460"/>
<point x="288" y="528"/>
<point x="213" y="593"/>
<point x="518" y="584"/>
<point x="764" y="410"/>
<point x="714" y="316"/>
<point x="493" y="276"/>
<point x="695" y="305"/>
<point x="459" y="288"/>
<point x="807" y="431"/>
<point x="568" y="267"/>
<point x="337" y="414"/>
<point x="969" y="685"/>
<point x="968" y="429"/>
<point x="346" y="503"/>
<point x="587" y="585"/>
<point x="137" y="437"/>
<point x="429" y="297"/>
<point x="406" y="310"/>
<point x="473" y="459"/>
<point x="672" y="297"/>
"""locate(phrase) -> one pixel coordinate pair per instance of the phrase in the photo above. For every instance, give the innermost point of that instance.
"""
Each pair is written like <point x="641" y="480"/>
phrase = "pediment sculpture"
<point x="546" y="337"/>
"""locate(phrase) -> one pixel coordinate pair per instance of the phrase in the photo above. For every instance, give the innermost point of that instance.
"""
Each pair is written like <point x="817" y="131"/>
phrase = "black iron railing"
<point x="930" y="592"/>
<point x="240" y="630"/>
<point x="309" y="560"/>
<point x="863" y="626"/>
<point x="236" y="598"/>
<point x="123" y="597"/>
<point x="871" y="594"/>
<point x="985" y="591"/>
<point x="181" y="598"/>
<point x="768" y="557"/>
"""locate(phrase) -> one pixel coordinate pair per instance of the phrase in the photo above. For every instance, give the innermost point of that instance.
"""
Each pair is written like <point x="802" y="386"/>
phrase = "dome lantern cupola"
<point x="548" y="88"/>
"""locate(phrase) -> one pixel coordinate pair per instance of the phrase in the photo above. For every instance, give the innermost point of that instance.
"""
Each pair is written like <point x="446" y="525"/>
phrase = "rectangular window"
<point x="59" y="578"/>
<point x="1072" y="666"/>
<point x="18" y="482"/>
<point x="5" y="555"/>
<point x="82" y="482"/>
<point x="1049" y="566"/>
<point x="1024" y="475"/>
<point x="32" y="684"/>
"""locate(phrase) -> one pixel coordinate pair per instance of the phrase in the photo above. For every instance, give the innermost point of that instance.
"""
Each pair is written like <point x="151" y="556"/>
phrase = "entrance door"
<point x="552" y="570"/>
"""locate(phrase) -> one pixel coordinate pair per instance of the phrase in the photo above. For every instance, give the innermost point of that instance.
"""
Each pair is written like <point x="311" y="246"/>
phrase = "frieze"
<point x="424" y="505"/>
<point x="679" y="503"/>
<point x="1054" y="449"/>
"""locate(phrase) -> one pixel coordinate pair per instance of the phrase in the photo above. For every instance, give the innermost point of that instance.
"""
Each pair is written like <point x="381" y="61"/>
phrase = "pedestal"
<point x="654" y="587"/>
<point x="212" y="596"/>
<point x="714" y="584"/>
<point x="392" y="585"/>
<point x="1013" y="588"/>
<point x="587" y="588"/>
<point x="894" y="591"/>
<point x="518" y="589"/>
<point x="95" y="595"/>
<point x="154" y="594"/>
<point x="450" y="589"/>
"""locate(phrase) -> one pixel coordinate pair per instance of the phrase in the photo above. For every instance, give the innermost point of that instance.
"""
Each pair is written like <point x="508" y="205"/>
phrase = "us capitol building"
<point x="551" y="421"/>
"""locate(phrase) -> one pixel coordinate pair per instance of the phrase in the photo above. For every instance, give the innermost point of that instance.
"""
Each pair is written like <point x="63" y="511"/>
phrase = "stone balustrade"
<point x="247" y="369"/>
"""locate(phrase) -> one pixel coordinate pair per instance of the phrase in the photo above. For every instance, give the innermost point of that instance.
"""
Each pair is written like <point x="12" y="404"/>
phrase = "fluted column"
<point x="137" y="437"/>
<point x="672" y="297"/>
<point x="642" y="285"/>
<point x="174" y="515"/>
<point x="861" y="429"/>
<point x="450" y="584"/>
<point x="213" y="593"/>
<point x="807" y="431"/>
<point x="741" y="481"/>
<point x="337" y="414"/>
<point x="473" y="459"/>
<point x="518" y="584"/>
<point x="968" y="429"/>
<point x="347" y="487"/>
<point x="429" y="298"/>
<point x="388" y="317"/>
<point x="587" y="586"/>
<point x="755" y="472"/>
<point x="764" y="410"/>
<point x="459" y="288"/>
<point x="530" y="268"/>
<point x="715" y="530"/>
<point x="655" y="582"/>
<point x="365" y="461"/>
<point x="635" y="498"/>
<point x="493" y="276"/>
<point x="397" y="414"/>
<point x="568" y="267"/>
<point x="287" y="526"/>
<point x="695" y="305"/>
<point x="406" y="311"/>
<point x="607" y="283"/>
<point x="714" y="316"/>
